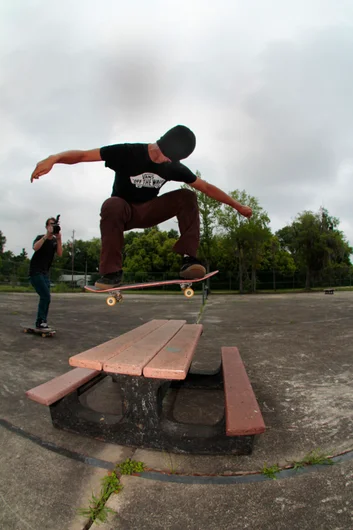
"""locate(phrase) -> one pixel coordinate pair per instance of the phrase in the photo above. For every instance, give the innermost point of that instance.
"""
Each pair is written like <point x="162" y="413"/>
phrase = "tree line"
<point x="311" y="245"/>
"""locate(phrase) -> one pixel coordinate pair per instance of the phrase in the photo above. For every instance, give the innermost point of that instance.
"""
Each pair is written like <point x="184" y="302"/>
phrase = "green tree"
<point x="93" y="252"/>
<point x="8" y="269"/>
<point x="151" y="251"/>
<point x="209" y="209"/>
<point x="316" y="244"/>
<point x="277" y="259"/>
<point x="86" y="256"/>
<point x="246" y="237"/>
<point x="173" y="234"/>
<point x="22" y="256"/>
<point x="11" y="266"/>
<point x="20" y="268"/>
<point x="2" y="242"/>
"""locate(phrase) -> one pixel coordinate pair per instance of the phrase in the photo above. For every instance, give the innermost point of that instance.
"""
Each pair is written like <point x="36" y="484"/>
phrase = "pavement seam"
<point x="241" y="477"/>
<point x="95" y="462"/>
<point x="201" y="312"/>
<point x="111" y="484"/>
<point x="151" y="474"/>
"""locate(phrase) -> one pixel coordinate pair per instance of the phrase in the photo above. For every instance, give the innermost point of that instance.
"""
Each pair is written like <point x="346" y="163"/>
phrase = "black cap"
<point x="178" y="143"/>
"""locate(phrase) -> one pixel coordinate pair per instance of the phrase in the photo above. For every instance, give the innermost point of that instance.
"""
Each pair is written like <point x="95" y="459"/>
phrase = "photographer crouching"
<point x="45" y="247"/>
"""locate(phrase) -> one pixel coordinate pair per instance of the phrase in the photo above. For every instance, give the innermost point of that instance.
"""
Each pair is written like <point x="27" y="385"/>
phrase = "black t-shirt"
<point x="137" y="178"/>
<point x="43" y="258"/>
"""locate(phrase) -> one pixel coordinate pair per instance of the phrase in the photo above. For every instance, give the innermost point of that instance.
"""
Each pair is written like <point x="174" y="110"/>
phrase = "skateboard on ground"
<point x="116" y="296"/>
<point x="45" y="332"/>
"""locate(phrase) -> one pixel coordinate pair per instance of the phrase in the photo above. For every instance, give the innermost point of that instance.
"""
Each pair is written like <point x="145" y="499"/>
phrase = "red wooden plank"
<point x="97" y="356"/>
<point x="60" y="386"/>
<point x="173" y="361"/>
<point x="243" y="415"/>
<point x="133" y="359"/>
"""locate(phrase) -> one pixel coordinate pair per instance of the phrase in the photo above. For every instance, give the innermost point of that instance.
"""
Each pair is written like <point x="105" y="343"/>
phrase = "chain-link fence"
<point x="16" y="274"/>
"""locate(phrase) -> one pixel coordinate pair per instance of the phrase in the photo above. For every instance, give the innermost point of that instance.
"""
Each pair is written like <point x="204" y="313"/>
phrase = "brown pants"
<point x="118" y="216"/>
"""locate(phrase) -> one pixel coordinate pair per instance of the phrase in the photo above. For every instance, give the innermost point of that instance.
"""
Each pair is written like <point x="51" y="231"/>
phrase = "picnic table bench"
<point x="146" y="362"/>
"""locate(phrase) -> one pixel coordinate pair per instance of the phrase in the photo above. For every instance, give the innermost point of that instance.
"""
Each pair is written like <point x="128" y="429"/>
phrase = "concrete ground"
<point x="298" y="353"/>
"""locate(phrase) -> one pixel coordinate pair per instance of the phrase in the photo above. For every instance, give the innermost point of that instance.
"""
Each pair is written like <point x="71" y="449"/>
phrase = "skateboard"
<point x="49" y="332"/>
<point x="116" y="296"/>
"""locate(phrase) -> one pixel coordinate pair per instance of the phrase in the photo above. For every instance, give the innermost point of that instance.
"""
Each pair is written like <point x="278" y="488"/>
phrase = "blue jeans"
<point x="41" y="283"/>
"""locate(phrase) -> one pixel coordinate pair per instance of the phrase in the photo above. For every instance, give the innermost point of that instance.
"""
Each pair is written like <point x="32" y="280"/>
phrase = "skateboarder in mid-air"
<point x="140" y="172"/>
<point x="45" y="247"/>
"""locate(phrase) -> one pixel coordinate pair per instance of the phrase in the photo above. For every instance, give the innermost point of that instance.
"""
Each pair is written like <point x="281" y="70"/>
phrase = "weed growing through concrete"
<point x="170" y="463"/>
<point x="315" y="457"/>
<point x="271" y="471"/>
<point x="128" y="467"/>
<point x="97" y="510"/>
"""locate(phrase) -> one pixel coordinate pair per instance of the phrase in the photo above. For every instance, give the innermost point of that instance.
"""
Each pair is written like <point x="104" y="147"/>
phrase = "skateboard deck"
<point x="116" y="296"/>
<point x="49" y="332"/>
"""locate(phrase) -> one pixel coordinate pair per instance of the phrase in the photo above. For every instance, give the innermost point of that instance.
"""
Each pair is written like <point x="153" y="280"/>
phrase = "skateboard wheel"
<point x="188" y="292"/>
<point x="111" y="301"/>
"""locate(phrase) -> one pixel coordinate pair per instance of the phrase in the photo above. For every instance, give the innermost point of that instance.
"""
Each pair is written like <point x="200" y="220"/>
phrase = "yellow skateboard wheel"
<point x="111" y="300"/>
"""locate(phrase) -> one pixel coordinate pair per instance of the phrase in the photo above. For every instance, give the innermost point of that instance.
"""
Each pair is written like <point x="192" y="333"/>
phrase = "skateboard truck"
<point x="116" y="296"/>
<point x="186" y="288"/>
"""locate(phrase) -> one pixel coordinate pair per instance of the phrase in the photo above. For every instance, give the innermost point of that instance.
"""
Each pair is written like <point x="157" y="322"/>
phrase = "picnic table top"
<point x="160" y="349"/>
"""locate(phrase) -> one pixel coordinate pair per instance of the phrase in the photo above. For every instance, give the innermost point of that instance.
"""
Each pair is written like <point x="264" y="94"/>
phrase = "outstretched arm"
<point x="219" y="195"/>
<point x="67" y="157"/>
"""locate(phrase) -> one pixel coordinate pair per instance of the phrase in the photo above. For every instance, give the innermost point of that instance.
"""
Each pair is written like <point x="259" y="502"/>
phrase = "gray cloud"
<point x="298" y="126"/>
<point x="269" y="98"/>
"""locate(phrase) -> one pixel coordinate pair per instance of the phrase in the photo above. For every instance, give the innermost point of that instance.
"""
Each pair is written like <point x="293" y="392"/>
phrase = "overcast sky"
<point x="265" y="85"/>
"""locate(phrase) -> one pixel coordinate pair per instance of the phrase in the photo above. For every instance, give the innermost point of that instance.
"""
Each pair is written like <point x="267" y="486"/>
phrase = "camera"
<point x="56" y="226"/>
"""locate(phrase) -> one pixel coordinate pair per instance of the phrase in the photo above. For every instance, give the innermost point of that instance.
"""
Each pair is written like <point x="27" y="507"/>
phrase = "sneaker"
<point x="110" y="280"/>
<point x="42" y="325"/>
<point x="192" y="268"/>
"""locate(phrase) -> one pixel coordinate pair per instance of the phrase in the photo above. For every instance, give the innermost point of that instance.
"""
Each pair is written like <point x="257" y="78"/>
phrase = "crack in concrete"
<point x="151" y="474"/>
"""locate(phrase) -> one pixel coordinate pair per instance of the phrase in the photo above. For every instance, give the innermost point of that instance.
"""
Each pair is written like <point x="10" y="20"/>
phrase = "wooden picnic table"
<point x="161" y="349"/>
<point x="146" y="362"/>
